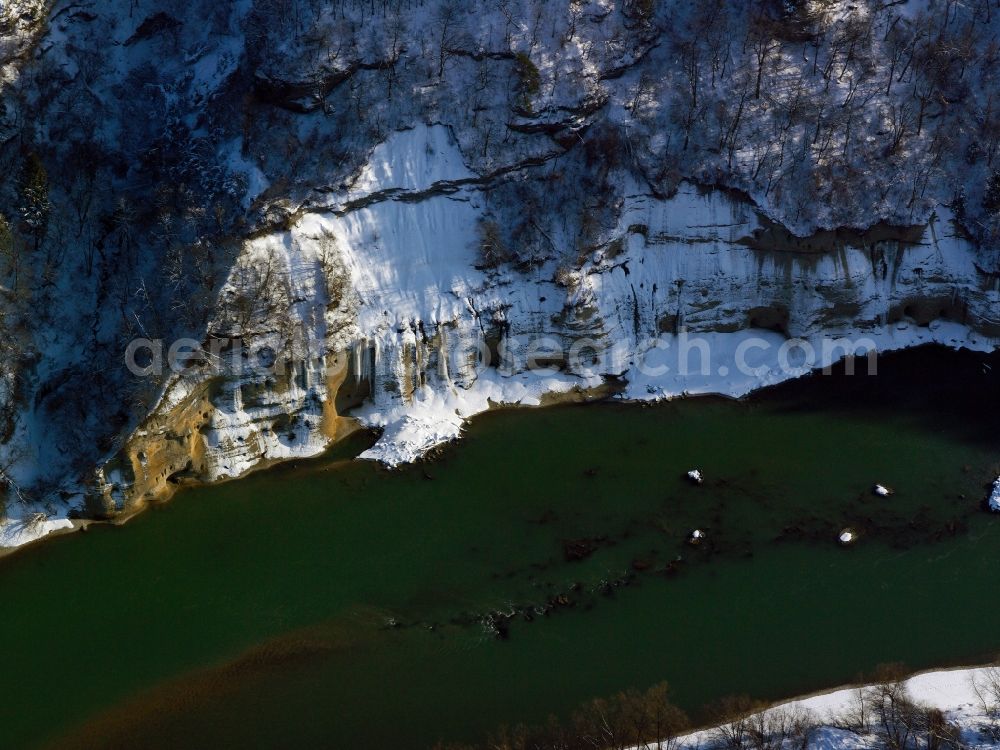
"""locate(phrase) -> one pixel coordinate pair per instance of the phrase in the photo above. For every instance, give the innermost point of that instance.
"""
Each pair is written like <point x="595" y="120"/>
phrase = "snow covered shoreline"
<point x="410" y="431"/>
<point x="19" y="532"/>
<point x="431" y="418"/>
<point x="951" y="690"/>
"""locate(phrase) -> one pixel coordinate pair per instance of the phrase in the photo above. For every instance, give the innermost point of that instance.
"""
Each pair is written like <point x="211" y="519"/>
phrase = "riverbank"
<point x="966" y="696"/>
<point x="411" y="431"/>
<point x="20" y="532"/>
<point x="733" y="365"/>
<point x="948" y="709"/>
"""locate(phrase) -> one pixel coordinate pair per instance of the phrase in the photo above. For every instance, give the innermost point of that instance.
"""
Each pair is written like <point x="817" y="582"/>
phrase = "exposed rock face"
<point x="354" y="206"/>
<point x="264" y="387"/>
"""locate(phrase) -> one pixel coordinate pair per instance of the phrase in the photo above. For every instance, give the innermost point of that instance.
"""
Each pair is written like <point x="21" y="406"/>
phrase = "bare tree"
<point x="760" y="39"/>
<point x="784" y="727"/>
<point x="734" y="716"/>
<point x="447" y="21"/>
<point x="256" y="299"/>
<point x="886" y="709"/>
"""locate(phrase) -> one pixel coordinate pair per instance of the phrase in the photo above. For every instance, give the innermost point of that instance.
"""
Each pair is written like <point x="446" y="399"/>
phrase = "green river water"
<point x="337" y="604"/>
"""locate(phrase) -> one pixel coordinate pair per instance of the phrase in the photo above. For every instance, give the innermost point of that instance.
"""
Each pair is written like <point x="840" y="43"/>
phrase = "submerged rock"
<point x="579" y="549"/>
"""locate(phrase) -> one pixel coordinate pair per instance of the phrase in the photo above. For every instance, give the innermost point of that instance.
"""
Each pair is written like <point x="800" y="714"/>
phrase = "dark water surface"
<point x="336" y="604"/>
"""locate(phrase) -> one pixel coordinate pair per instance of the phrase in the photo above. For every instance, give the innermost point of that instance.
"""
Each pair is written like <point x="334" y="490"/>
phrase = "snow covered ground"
<point x="16" y="532"/>
<point x="952" y="691"/>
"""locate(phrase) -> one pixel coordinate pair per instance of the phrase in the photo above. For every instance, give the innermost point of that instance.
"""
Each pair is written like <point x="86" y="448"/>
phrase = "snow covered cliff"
<point x="392" y="302"/>
<point x="402" y="213"/>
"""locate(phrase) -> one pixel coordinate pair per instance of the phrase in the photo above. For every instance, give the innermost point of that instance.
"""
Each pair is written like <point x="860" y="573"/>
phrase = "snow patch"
<point x="412" y="159"/>
<point x="432" y="418"/>
<point x="21" y="531"/>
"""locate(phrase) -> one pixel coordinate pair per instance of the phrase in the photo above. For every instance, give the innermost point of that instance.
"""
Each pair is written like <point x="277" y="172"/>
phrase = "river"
<point x="541" y="561"/>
